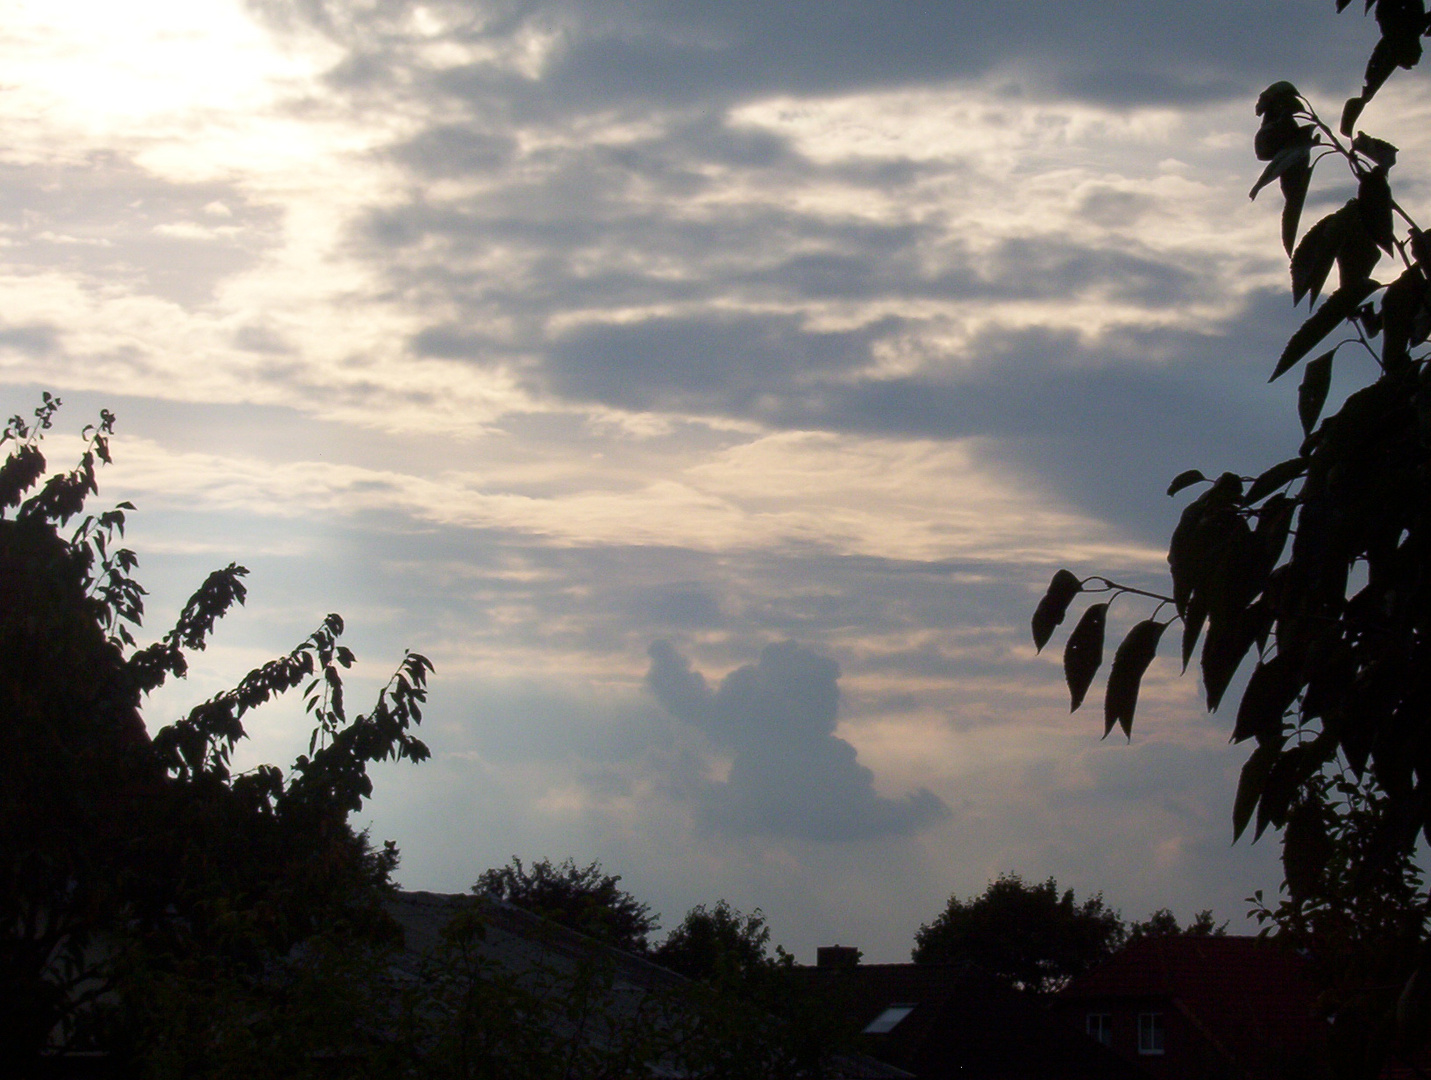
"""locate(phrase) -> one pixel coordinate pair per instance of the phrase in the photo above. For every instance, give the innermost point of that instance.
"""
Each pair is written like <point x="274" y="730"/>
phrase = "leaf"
<point x="1294" y="194"/>
<point x="1398" y="311"/>
<point x="1193" y="619"/>
<point x="1083" y="654"/>
<point x="1129" y="663"/>
<point x="1277" y="476"/>
<point x="1358" y="254"/>
<point x="1312" y="394"/>
<point x="1281" y="784"/>
<point x="1334" y="311"/>
<point x="1306" y="850"/>
<point x="1249" y="787"/>
<point x="1280" y="97"/>
<point x="1274" y="524"/>
<point x="1278" y="131"/>
<point x="1227" y="643"/>
<point x="1270" y="693"/>
<point x="1186" y="479"/>
<point x="1054" y="605"/>
<point x="1293" y="157"/>
<point x="1377" y="150"/>
<point x="1313" y="258"/>
<point x="1373" y="199"/>
<point x="1351" y="113"/>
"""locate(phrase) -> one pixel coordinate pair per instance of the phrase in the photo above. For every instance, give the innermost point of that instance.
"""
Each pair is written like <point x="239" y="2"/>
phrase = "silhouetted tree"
<point x="1163" y="923"/>
<point x="1321" y="566"/>
<point x="152" y="901"/>
<point x="714" y="943"/>
<point x="1028" y="936"/>
<point x="583" y="898"/>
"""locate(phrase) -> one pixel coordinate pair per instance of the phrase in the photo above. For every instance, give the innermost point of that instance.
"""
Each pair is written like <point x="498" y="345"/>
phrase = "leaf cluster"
<point x="153" y="846"/>
<point x="1319" y="568"/>
<point x="582" y="898"/>
<point x="720" y="945"/>
<point x="1028" y="935"/>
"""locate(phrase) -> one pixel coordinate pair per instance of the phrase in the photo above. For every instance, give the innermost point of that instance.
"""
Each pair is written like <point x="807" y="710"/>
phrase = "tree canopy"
<point x="1163" y="923"/>
<point x="1030" y="936"/>
<point x="583" y="898"/>
<point x="150" y="895"/>
<point x="714" y="943"/>
<point x="1319" y="568"/>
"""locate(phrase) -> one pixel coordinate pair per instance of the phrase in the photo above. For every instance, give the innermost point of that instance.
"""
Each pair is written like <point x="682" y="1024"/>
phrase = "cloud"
<point x="33" y="339"/>
<point x="564" y="54"/>
<point x="789" y="774"/>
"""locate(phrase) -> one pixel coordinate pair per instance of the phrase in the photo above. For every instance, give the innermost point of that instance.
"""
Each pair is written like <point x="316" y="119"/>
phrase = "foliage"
<point x="1321" y="565"/>
<point x="468" y="1015"/>
<point x="1028" y="936"/>
<point x="584" y="1009"/>
<point x="581" y="898"/>
<point x="719" y="943"/>
<point x="1163" y="923"/>
<point x="140" y="874"/>
<point x="1360" y="910"/>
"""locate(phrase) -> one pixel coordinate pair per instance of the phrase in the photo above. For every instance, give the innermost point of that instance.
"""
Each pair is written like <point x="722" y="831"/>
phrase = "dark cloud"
<point x="702" y="363"/>
<point x="790" y="775"/>
<point x="34" y="339"/>
<point x="450" y="150"/>
<point x="607" y="56"/>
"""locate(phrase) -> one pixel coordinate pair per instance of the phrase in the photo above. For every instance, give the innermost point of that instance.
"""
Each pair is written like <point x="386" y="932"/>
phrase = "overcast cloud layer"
<point x="709" y="388"/>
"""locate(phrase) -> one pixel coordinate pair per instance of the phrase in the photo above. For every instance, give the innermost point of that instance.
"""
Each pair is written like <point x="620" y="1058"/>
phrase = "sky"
<point x="709" y="389"/>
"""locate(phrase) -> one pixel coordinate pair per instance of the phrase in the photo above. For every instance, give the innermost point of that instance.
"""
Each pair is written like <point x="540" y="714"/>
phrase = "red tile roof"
<point x="1247" y="994"/>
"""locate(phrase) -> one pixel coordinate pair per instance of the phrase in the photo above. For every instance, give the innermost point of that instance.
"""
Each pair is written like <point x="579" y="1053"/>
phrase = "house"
<point x="1205" y="1007"/>
<point x="532" y="998"/>
<point x="936" y="1022"/>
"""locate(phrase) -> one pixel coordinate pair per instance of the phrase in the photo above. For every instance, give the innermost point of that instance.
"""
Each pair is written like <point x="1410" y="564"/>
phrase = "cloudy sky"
<point x="709" y="388"/>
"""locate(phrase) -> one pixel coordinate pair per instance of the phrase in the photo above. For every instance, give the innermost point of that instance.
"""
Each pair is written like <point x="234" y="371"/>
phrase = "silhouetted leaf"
<point x="1083" y="654"/>
<point x="1294" y="194"/>
<point x="1270" y="693"/>
<point x="1351" y="112"/>
<point x="1278" y="131"/>
<point x="1358" y="254"/>
<point x="1278" y="475"/>
<point x="1186" y="479"/>
<point x="1249" y="787"/>
<point x="1274" y="523"/>
<point x="19" y="473"/>
<point x="1281" y="97"/>
<point x="1399" y="306"/>
<point x="1193" y="620"/>
<point x="1312" y="394"/>
<point x="1333" y="312"/>
<point x="1227" y="643"/>
<point x="1377" y="150"/>
<point x="1306" y="850"/>
<point x="1312" y="261"/>
<point x="1373" y="199"/>
<point x="1281" y="785"/>
<point x="1126" y="676"/>
<point x="1293" y="157"/>
<point x="1054" y="605"/>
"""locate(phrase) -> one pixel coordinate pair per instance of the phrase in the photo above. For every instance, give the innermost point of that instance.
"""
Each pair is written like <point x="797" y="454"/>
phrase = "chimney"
<point x="837" y="956"/>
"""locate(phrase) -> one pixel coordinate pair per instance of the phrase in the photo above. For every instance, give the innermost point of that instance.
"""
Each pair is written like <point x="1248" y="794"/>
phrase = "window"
<point x="886" y="1020"/>
<point x="1150" y="1033"/>
<point x="1100" y="1028"/>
